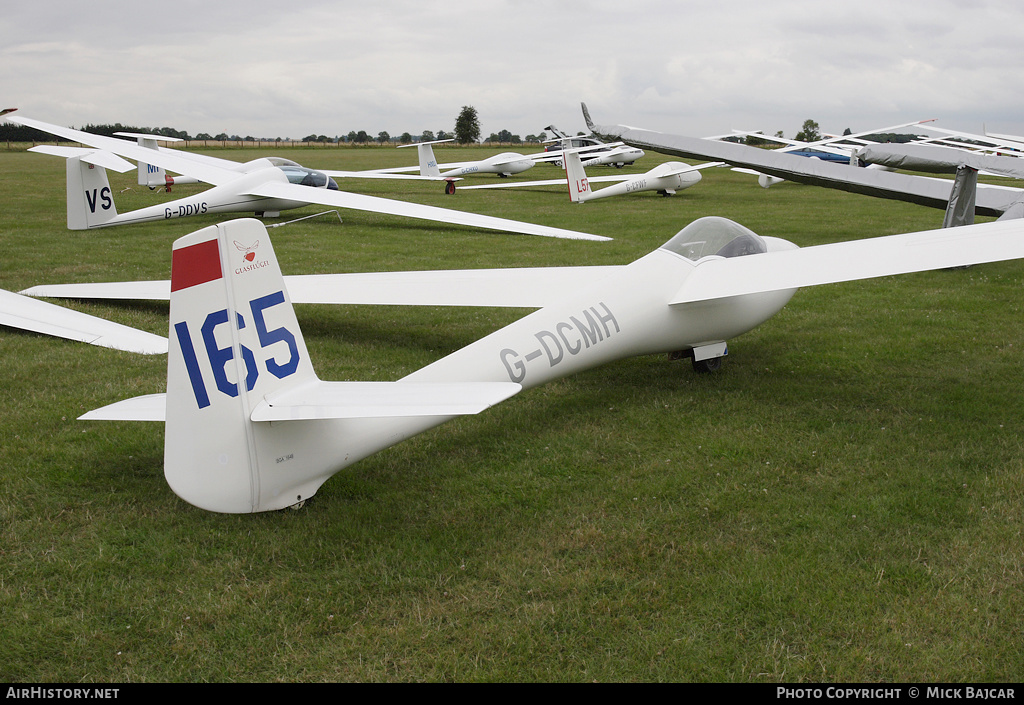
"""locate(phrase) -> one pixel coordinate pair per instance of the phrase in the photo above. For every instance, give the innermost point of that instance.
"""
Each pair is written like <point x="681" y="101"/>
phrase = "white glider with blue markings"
<point x="264" y="186"/>
<point x="250" y="427"/>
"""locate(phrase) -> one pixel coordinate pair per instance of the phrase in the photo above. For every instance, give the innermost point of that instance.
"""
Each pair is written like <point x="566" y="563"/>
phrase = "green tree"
<point x="809" y="133"/>
<point x="467" y="125"/>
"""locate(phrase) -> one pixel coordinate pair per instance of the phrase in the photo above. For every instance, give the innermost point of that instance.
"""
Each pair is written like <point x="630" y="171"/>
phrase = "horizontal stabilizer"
<point x="96" y="157"/>
<point x="419" y="144"/>
<point x="339" y="400"/>
<point x="148" y="136"/>
<point x="858" y="259"/>
<point x="356" y="400"/>
<point x="152" y="407"/>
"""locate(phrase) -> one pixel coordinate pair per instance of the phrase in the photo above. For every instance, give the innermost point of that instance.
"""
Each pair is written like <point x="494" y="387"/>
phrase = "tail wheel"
<point x="449" y="188"/>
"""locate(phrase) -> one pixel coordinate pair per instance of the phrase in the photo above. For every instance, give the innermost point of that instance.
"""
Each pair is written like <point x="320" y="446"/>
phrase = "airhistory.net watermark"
<point x="44" y="693"/>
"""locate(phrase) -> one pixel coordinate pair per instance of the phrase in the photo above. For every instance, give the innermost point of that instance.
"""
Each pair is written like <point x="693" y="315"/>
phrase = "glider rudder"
<point x="579" y="186"/>
<point x="234" y="339"/>
<point x="89" y="198"/>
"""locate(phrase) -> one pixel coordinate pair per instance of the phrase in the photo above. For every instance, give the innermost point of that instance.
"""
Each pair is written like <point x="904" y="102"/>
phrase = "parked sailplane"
<point x="666" y="179"/>
<point x="615" y="154"/>
<point x="264" y="186"/>
<point x="249" y="426"/>
<point x="504" y="164"/>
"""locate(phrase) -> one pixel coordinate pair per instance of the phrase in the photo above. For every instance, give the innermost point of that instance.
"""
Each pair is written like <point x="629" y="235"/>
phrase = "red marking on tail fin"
<point x="195" y="264"/>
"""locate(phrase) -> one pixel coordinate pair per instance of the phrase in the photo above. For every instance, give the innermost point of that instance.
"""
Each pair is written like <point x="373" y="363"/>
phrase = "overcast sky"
<point x="287" y="69"/>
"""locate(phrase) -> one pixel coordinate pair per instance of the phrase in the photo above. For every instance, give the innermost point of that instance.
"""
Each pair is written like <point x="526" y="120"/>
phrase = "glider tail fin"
<point x="234" y="340"/>
<point x="89" y="198"/>
<point x="579" y="186"/>
<point x="428" y="163"/>
<point x="153" y="176"/>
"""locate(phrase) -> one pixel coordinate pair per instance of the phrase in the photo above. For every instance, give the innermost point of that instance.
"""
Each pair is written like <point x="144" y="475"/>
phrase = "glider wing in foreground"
<point x="26" y="313"/>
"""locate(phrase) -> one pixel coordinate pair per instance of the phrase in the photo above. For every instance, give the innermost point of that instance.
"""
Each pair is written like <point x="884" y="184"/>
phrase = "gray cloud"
<point x="278" y="70"/>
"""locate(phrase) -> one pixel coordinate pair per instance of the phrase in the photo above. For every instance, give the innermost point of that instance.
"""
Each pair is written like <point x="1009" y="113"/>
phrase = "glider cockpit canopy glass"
<point x="308" y="177"/>
<point x="715" y="236"/>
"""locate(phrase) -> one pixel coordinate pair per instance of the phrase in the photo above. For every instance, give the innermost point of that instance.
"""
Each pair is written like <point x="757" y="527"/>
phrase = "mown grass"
<point x="842" y="502"/>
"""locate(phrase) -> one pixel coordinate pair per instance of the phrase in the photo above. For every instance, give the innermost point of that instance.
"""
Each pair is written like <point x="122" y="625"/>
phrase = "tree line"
<point x="467" y="130"/>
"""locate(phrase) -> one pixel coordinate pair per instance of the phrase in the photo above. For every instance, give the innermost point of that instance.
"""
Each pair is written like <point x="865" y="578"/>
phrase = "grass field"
<point x="841" y="502"/>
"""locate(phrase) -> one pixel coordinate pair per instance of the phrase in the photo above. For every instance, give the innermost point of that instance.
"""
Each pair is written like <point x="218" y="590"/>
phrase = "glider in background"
<point x="264" y="186"/>
<point x="666" y="179"/>
<point x="250" y="427"/>
<point x="598" y="152"/>
<point x="1000" y="201"/>
<point x="504" y="164"/>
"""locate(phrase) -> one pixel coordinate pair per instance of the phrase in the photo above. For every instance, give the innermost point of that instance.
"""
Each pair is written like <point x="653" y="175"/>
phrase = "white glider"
<point x="615" y="154"/>
<point x="666" y="179"/>
<point x="250" y="427"/>
<point x="264" y="186"/>
<point x="504" y="164"/>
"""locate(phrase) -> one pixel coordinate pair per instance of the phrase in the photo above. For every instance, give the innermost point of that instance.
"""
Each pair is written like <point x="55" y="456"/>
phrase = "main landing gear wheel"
<point x="712" y="364"/>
